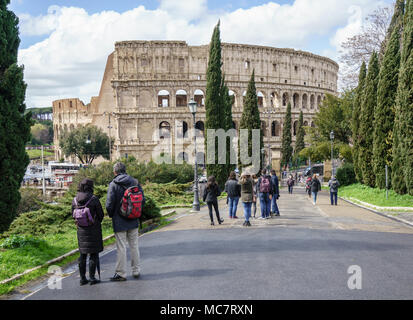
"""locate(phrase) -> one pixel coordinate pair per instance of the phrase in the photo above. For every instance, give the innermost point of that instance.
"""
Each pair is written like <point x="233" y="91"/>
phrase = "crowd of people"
<point x="125" y="201"/>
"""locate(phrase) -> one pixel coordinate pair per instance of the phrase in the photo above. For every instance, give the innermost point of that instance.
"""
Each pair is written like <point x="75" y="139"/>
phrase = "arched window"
<point x="183" y="132"/>
<point x="312" y="101"/>
<point x="275" y="129"/>
<point x="295" y="128"/>
<point x="232" y="95"/>
<point x="260" y="99"/>
<point x="199" y="98"/>
<point x="274" y="100"/>
<point x="163" y="99"/>
<point x="164" y="130"/>
<point x="318" y="101"/>
<point x="305" y="98"/>
<point x="285" y="99"/>
<point x="181" y="98"/>
<point x="296" y="98"/>
<point x="200" y="127"/>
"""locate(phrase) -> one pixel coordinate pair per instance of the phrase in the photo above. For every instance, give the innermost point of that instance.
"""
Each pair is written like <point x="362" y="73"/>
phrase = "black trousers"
<point x="93" y="264"/>
<point x="215" y="205"/>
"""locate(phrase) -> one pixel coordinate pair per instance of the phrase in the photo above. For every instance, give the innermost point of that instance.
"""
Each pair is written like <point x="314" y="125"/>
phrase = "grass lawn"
<point x="35" y="154"/>
<point x="375" y="196"/>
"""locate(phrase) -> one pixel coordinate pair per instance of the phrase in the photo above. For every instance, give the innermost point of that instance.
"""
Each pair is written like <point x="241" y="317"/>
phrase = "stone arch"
<point x="163" y="99"/>
<point x="312" y="101"/>
<point x="318" y="101"/>
<point x="260" y="97"/>
<point x="164" y="130"/>
<point x="200" y="129"/>
<point x="286" y="99"/>
<point x="296" y="100"/>
<point x="305" y="100"/>
<point x="199" y="97"/>
<point x="275" y="129"/>
<point x="274" y="98"/>
<point x="295" y="128"/>
<point x="181" y="98"/>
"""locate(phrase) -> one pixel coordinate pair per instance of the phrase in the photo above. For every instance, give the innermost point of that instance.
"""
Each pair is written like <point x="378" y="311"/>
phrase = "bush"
<point x="345" y="175"/>
<point x="18" y="241"/>
<point x="30" y="200"/>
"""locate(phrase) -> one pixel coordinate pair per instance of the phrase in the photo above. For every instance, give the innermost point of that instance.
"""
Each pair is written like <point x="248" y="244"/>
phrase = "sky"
<point x="65" y="44"/>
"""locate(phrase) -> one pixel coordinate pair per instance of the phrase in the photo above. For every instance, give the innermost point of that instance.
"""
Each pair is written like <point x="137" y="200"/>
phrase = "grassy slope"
<point x="35" y="154"/>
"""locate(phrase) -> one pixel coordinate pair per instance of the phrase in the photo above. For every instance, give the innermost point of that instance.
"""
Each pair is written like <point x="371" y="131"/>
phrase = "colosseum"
<point x="146" y="87"/>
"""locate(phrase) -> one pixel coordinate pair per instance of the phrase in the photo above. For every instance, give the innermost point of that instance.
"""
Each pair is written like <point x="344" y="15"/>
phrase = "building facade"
<point x="143" y="100"/>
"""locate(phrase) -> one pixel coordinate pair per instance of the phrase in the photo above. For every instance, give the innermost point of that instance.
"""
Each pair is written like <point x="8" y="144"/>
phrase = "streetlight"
<point x="332" y="145"/>
<point x="109" y="127"/>
<point x="196" y="207"/>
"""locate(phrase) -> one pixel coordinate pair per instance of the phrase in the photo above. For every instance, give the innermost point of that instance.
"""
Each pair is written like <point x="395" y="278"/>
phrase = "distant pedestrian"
<point x="233" y="189"/>
<point x="290" y="184"/>
<point x="334" y="185"/>
<point x="210" y="196"/>
<point x="88" y="214"/>
<point x="126" y="230"/>
<point x="247" y="195"/>
<point x="308" y="186"/>
<point x="255" y="195"/>
<point x="275" y="193"/>
<point x="265" y="190"/>
<point x="315" y="188"/>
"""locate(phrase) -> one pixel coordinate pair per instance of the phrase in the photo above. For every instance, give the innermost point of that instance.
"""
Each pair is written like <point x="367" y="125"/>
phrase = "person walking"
<point x="315" y="188"/>
<point x="265" y="190"/>
<point x="255" y="195"/>
<point x="333" y="185"/>
<point x="247" y="195"/>
<point x="275" y="193"/>
<point x="210" y="196"/>
<point x="290" y="183"/>
<point x="233" y="189"/>
<point x="308" y="186"/>
<point x="88" y="214"/>
<point x="126" y="230"/>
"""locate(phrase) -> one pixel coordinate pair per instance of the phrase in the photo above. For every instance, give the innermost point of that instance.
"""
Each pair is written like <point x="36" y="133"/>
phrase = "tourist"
<point x="255" y="194"/>
<point x="290" y="184"/>
<point x="126" y="230"/>
<point x="275" y="193"/>
<point x="233" y="189"/>
<point x="265" y="190"/>
<point x="308" y="186"/>
<point x="211" y="194"/>
<point x="315" y="188"/>
<point x="334" y="185"/>
<point x="88" y="214"/>
<point x="247" y="195"/>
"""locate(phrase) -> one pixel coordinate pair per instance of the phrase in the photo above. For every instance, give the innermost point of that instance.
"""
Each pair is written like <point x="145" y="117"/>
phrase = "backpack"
<point x="131" y="203"/>
<point x="334" y="185"/>
<point x="82" y="215"/>
<point x="265" y="186"/>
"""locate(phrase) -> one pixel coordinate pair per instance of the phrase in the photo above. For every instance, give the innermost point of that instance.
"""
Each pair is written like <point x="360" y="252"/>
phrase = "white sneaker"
<point x="313" y="203"/>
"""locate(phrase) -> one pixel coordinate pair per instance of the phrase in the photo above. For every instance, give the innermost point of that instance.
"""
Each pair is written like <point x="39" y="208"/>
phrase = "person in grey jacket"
<point x="233" y="189"/>
<point x="333" y="185"/>
<point x="126" y="230"/>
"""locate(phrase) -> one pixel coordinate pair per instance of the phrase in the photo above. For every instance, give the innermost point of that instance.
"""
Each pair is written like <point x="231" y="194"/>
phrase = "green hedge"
<point x="346" y="175"/>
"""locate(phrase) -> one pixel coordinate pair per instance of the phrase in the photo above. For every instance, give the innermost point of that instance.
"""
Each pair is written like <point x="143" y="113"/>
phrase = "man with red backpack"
<point x="265" y="190"/>
<point x="124" y="204"/>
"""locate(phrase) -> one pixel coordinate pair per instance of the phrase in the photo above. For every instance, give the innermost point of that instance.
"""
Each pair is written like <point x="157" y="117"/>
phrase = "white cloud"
<point x="71" y="61"/>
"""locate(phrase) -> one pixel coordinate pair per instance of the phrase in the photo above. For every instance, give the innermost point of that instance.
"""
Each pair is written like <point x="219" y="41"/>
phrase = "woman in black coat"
<point x="210" y="196"/>
<point x="89" y="238"/>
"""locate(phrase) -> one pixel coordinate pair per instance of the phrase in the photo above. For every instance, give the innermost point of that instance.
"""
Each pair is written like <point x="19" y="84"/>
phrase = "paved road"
<point x="304" y="254"/>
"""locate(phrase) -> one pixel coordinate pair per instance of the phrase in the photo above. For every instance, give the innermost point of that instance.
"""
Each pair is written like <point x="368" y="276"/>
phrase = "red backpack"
<point x="131" y="203"/>
<point x="265" y="186"/>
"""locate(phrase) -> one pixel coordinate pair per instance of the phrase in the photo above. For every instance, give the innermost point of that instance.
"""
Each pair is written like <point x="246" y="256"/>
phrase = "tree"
<point x="86" y="143"/>
<point x="14" y="125"/>
<point x="359" y="48"/>
<point x="356" y="120"/>
<point x="386" y="95"/>
<point x="214" y="102"/>
<point x="299" y="144"/>
<point x="369" y="102"/>
<point x="286" y="142"/>
<point x="250" y="119"/>
<point x="403" y="149"/>
<point x="40" y="134"/>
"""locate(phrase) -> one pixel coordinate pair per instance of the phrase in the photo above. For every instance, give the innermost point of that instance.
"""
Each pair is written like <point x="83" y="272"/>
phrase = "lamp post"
<point x="195" y="207"/>
<point x="109" y="114"/>
<point x="332" y="146"/>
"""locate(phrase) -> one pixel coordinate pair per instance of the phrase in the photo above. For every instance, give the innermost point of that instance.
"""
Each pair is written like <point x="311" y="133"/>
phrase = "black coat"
<point x="315" y="185"/>
<point x="211" y="195"/>
<point x="113" y="202"/>
<point x="233" y="189"/>
<point x="90" y="238"/>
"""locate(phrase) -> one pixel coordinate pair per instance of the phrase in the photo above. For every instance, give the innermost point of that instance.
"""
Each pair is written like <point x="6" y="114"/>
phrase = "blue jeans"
<point x="247" y="210"/>
<point x="314" y="196"/>
<point x="333" y="198"/>
<point x="233" y="205"/>
<point x="274" y="205"/>
<point x="265" y="203"/>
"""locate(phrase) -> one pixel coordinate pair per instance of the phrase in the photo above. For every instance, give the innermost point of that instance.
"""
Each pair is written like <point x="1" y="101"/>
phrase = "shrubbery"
<point x="18" y="241"/>
<point x="30" y="200"/>
<point x="346" y="175"/>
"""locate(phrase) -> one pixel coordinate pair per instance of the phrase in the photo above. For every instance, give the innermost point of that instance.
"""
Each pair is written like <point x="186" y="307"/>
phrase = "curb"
<point x="410" y="224"/>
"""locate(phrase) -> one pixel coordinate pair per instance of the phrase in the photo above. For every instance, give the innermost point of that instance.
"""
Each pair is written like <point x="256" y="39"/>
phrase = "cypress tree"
<point x="299" y="144"/>
<point x="384" y="111"/>
<point x="286" y="148"/>
<point x="215" y="113"/>
<point x="14" y="125"/>
<point x="250" y="118"/>
<point x="356" y="120"/>
<point x="366" y="122"/>
<point x="404" y="104"/>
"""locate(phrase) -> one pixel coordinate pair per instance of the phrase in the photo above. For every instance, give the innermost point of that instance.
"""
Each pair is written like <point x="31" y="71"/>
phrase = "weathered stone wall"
<point x="147" y="85"/>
